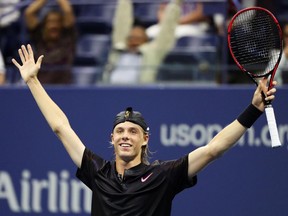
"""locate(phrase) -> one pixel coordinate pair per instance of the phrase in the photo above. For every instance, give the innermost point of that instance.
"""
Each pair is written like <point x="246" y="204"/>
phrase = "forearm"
<point x="2" y="78"/>
<point x="229" y="136"/>
<point x="165" y="40"/>
<point x="52" y="113"/>
<point x="226" y="139"/>
<point x="222" y="142"/>
<point x="178" y="2"/>
<point x="32" y="11"/>
<point x="194" y="16"/>
<point x="35" y="6"/>
<point x="66" y="8"/>
<point x="233" y="132"/>
<point x="123" y="14"/>
<point x="58" y="121"/>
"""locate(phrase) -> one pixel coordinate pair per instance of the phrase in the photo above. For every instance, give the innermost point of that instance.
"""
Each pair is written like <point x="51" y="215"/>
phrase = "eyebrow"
<point x="116" y="128"/>
<point x="129" y="128"/>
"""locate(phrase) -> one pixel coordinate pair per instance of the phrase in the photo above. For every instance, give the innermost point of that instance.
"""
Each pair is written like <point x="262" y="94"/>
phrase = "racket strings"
<point x="255" y="41"/>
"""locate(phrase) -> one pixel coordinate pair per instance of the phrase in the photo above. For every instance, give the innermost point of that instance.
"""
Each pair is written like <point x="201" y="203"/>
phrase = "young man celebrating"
<point x="129" y="185"/>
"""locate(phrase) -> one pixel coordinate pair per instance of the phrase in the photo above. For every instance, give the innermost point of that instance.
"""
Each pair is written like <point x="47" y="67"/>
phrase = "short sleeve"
<point x="91" y="163"/>
<point x="178" y="174"/>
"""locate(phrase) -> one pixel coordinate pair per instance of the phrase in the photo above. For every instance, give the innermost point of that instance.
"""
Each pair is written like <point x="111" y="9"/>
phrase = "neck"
<point x="122" y="165"/>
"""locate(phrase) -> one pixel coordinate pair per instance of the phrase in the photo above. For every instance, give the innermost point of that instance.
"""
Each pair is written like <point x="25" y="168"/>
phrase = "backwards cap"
<point x="131" y="116"/>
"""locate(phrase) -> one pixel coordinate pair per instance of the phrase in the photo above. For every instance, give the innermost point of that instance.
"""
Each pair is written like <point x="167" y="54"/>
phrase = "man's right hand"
<point x="29" y="68"/>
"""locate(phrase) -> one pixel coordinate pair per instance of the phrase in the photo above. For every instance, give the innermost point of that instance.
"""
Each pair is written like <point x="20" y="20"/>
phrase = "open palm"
<point x="29" y="68"/>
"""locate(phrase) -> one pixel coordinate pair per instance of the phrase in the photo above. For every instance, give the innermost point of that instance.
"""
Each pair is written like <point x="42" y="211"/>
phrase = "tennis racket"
<point x="255" y="43"/>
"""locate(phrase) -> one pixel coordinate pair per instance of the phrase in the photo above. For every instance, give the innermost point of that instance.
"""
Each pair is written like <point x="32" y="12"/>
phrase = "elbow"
<point x="29" y="12"/>
<point x="59" y="127"/>
<point x="214" y="153"/>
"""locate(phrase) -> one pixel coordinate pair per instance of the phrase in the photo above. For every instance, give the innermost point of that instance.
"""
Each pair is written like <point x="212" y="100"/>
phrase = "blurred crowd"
<point x="127" y="42"/>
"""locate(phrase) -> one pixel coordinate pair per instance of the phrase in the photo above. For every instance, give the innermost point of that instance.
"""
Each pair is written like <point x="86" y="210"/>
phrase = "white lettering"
<point x="182" y="134"/>
<point x="52" y="194"/>
<point x="25" y="191"/>
<point x="37" y="187"/>
<point x="64" y="192"/>
<point x="64" y="195"/>
<point x="7" y="191"/>
<point x="213" y="129"/>
<point x="250" y="133"/>
<point x="197" y="135"/>
<point x="76" y="188"/>
<point x="164" y="135"/>
<point x="283" y="133"/>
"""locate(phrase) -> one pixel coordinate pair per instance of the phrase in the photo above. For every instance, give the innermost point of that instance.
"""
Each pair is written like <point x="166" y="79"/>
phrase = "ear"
<point x="146" y="139"/>
<point x="112" y="138"/>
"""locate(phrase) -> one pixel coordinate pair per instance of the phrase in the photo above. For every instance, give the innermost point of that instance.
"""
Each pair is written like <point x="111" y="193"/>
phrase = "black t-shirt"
<point x="144" y="190"/>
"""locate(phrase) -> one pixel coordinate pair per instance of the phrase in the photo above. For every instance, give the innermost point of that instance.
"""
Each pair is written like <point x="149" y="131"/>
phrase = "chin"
<point x="126" y="157"/>
<point x="133" y="49"/>
<point x="54" y="36"/>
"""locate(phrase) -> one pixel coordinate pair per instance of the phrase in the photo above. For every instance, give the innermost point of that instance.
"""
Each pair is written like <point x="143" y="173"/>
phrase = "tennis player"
<point x="130" y="185"/>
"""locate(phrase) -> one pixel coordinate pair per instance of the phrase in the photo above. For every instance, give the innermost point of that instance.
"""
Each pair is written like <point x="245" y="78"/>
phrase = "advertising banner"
<point x="37" y="177"/>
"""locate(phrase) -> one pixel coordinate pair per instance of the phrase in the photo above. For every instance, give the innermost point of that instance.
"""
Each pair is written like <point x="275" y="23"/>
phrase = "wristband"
<point x="249" y="116"/>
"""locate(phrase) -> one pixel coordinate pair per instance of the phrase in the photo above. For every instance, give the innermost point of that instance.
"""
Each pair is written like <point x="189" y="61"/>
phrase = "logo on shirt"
<point x="144" y="179"/>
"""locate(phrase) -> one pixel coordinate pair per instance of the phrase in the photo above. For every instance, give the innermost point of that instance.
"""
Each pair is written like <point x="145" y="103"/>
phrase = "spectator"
<point x="9" y="28"/>
<point x="193" y="21"/>
<point x="2" y="70"/>
<point x="133" y="58"/>
<point x="188" y="61"/>
<point x="281" y="75"/>
<point x="55" y="37"/>
<point x="234" y="75"/>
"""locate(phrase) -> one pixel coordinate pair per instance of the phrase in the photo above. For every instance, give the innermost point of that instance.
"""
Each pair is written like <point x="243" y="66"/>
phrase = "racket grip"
<point x="275" y="141"/>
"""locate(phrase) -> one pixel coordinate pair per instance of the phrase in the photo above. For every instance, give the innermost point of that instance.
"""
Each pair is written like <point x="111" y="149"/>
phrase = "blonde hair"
<point x="145" y="153"/>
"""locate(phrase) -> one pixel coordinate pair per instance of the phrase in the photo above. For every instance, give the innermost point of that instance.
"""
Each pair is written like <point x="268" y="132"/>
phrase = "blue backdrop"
<point x="38" y="177"/>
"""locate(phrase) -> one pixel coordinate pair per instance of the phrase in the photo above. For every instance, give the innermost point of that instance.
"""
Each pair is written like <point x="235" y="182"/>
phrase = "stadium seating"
<point x="92" y="49"/>
<point x="86" y="75"/>
<point x="193" y="58"/>
<point x="96" y="18"/>
<point x="147" y="13"/>
<point x="94" y="23"/>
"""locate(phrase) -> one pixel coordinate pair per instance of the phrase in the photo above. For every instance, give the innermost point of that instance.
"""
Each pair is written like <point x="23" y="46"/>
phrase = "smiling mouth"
<point x="125" y="145"/>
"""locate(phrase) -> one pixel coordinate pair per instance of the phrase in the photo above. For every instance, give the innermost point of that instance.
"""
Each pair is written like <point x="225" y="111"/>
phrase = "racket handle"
<point x="275" y="141"/>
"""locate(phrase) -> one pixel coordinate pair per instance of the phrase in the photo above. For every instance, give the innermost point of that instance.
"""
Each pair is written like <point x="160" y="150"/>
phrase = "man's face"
<point x="136" y="38"/>
<point x="53" y="26"/>
<point x="128" y="139"/>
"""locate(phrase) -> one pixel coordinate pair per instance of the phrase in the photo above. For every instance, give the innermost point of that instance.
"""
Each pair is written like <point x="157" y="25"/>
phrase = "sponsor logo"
<point x="144" y="179"/>
<point x="56" y="193"/>
<point x="184" y="135"/>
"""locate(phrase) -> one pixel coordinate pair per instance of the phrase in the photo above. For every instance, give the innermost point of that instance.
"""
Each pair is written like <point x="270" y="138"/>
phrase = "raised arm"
<point x="194" y="16"/>
<point x="225" y="139"/>
<point x="31" y="13"/>
<point x="56" y="119"/>
<point x="165" y="39"/>
<point x="122" y="23"/>
<point x="68" y="14"/>
<point x="2" y="69"/>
